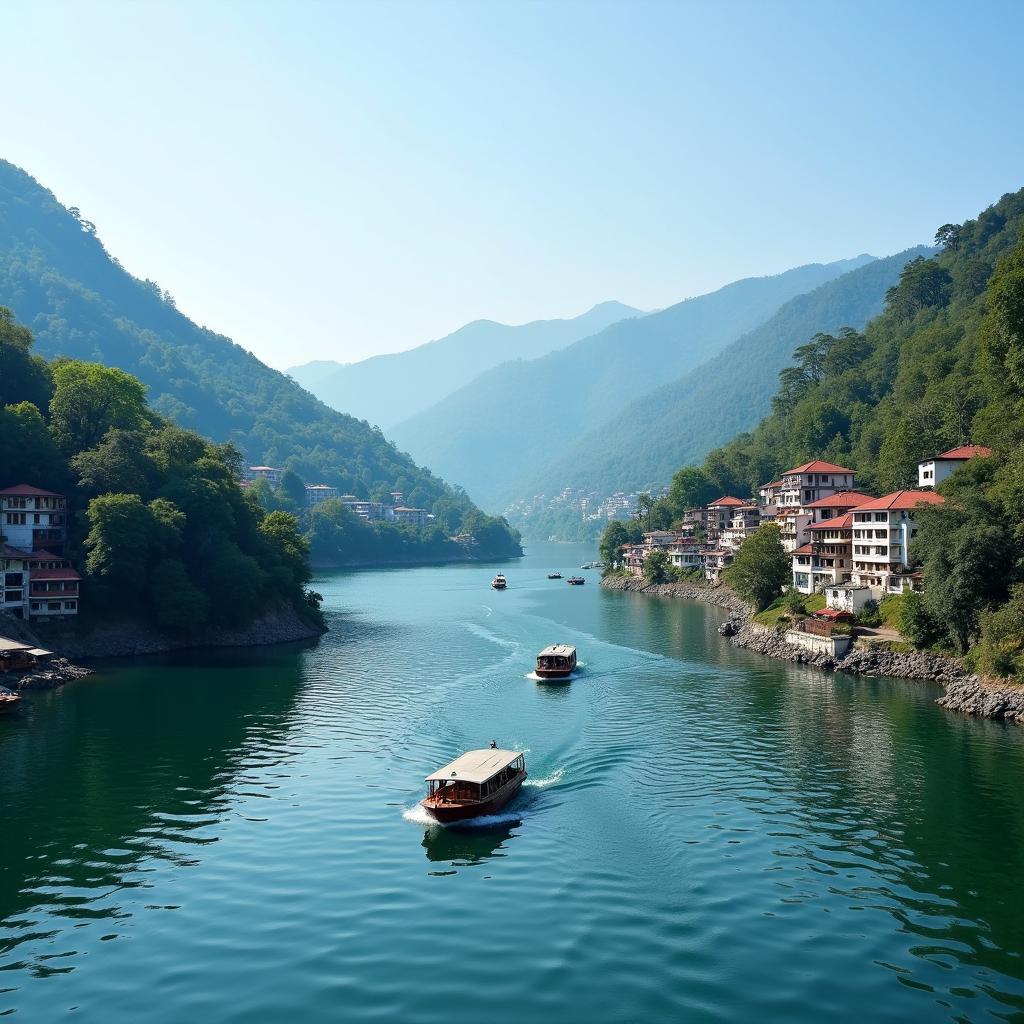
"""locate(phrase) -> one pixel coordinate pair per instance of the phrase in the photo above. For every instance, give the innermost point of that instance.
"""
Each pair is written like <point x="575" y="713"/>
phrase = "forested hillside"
<point x="494" y="432"/>
<point x="942" y="366"/>
<point x="682" y="421"/>
<point x="387" y="389"/>
<point x="79" y="302"/>
<point x="157" y="520"/>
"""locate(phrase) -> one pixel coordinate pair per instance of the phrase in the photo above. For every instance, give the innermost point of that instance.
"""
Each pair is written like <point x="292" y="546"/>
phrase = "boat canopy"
<point x="557" y="651"/>
<point x="475" y="766"/>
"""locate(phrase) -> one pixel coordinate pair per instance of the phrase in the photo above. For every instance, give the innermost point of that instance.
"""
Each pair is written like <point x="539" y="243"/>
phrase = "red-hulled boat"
<point x="477" y="783"/>
<point x="557" y="661"/>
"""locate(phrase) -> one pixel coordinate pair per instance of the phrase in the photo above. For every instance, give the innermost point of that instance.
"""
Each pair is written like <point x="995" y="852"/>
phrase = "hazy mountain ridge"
<point x="496" y="431"/>
<point x="80" y="302"/>
<point x="681" y="421"/>
<point x="389" y="388"/>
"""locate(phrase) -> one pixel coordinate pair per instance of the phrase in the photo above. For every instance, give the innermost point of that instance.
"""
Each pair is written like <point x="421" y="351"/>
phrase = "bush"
<point x="917" y="623"/>
<point x="870" y="614"/>
<point x="1000" y="651"/>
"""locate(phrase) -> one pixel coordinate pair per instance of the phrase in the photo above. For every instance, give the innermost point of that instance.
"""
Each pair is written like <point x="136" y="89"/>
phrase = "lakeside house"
<point x="827" y="558"/>
<point x="812" y="481"/>
<point x="269" y="473"/>
<point x="718" y="513"/>
<point x="882" y="533"/>
<point x="931" y="472"/>
<point x="316" y="493"/>
<point x="37" y="580"/>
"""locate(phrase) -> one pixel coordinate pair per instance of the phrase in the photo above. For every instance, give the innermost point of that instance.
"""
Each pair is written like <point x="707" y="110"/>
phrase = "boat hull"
<point x="9" y="706"/>
<point x="554" y="674"/>
<point x="449" y="813"/>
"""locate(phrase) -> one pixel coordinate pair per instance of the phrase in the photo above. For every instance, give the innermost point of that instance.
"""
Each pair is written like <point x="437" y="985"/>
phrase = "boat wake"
<point x="550" y="780"/>
<point x="420" y="816"/>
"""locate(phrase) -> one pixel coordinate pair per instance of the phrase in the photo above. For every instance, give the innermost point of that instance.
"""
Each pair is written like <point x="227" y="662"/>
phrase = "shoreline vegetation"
<point x="963" y="691"/>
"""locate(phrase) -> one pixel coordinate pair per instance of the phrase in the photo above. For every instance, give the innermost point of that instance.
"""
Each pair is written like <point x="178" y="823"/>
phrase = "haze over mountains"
<point x="496" y="432"/>
<point x="387" y="389"/>
<point x="678" y="423"/>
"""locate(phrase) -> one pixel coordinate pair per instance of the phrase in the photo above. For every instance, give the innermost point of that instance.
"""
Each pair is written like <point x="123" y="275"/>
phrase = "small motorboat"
<point x="499" y="582"/>
<point x="9" y="701"/>
<point x="477" y="783"/>
<point x="557" y="661"/>
<point x="554" y="575"/>
<point x="575" y="581"/>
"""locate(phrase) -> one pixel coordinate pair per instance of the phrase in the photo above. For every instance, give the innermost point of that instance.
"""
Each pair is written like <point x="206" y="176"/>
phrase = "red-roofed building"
<point x="932" y="472"/>
<point x="718" y="514"/>
<point x="53" y="593"/>
<point x="745" y="519"/>
<point x="37" y="584"/>
<point x="883" y="529"/>
<point x="827" y="559"/>
<point x="33" y="519"/>
<point x="836" y="505"/>
<point x="812" y="481"/>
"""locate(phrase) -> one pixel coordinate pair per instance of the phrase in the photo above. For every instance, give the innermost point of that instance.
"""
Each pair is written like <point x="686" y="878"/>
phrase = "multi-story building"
<point x="882" y="533"/>
<point x="827" y="558"/>
<point x="715" y="563"/>
<point x="32" y="519"/>
<point x="686" y="554"/>
<point x="813" y="481"/>
<point x="835" y="505"/>
<point x="14" y="570"/>
<point x="419" y="517"/>
<point x="745" y="520"/>
<point x="269" y="473"/>
<point x="718" y="514"/>
<point x="37" y="584"/>
<point x="768" y="494"/>
<point x="659" y="539"/>
<point x="53" y="593"/>
<point x="316" y="493"/>
<point x="932" y="472"/>
<point x="793" y="524"/>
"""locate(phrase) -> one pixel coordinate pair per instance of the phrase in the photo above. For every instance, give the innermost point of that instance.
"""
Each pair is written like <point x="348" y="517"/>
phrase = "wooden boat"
<point x="556" y="661"/>
<point x="9" y="701"/>
<point x="576" y="581"/>
<point x="554" y="575"/>
<point x="499" y="582"/>
<point x="477" y="783"/>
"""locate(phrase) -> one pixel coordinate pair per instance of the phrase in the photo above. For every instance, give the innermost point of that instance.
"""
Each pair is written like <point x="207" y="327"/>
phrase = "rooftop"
<point x="843" y="522"/>
<point x="726" y="499"/>
<point x="817" y="466"/>
<point x="901" y="500"/>
<point x="54" y="574"/>
<point x="27" y="490"/>
<point x="841" y="499"/>
<point x="966" y="451"/>
<point x="557" y="650"/>
<point x="475" y="765"/>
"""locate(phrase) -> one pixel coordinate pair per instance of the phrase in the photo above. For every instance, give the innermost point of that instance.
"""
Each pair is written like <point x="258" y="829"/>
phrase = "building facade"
<point x="812" y="481"/>
<point x="32" y="519"/>
<point x="932" y="472"/>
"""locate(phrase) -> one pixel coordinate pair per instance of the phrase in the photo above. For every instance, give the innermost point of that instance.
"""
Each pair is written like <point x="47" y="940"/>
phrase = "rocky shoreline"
<point x="966" y="693"/>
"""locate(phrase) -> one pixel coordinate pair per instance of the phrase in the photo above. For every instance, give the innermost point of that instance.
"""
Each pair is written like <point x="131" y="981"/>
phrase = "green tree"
<point x="617" y="533"/>
<point x="118" y="543"/>
<point x="916" y="622"/>
<point x="117" y="465"/>
<point x="23" y="376"/>
<point x="178" y="605"/>
<point x="760" y="567"/>
<point x="689" y="488"/>
<point x="294" y="487"/>
<point x="27" y="451"/>
<point x="89" y="399"/>
<point x="657" y="567"/>
<point x="281" y="531"/>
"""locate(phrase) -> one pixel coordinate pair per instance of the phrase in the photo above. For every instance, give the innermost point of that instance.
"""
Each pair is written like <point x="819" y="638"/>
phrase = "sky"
<point x="334" y="180"/>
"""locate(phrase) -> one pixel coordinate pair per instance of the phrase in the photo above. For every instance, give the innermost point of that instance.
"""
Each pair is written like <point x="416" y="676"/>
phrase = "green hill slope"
<point x="387" y="389"/>
<point x="495" y="431"/>
<point x="682" y="421"/>
<point x="79" y="302"/>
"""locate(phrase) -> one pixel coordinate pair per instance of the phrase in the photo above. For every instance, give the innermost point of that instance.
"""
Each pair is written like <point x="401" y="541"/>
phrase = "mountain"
<point x="497" y="430"/>
<point x="80" y="302"/>
<point x="680" y="422"/>
<point x="389" y="388"/>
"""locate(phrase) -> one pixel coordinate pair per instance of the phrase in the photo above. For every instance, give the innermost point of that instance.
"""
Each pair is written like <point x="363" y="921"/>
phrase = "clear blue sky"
<point x="326" y="180"/>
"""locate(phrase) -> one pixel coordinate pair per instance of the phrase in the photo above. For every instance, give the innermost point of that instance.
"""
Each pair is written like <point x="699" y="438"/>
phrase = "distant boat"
<point x="9" y="701"/>
<point x="479" y="782"/>
<point x="499" y="582"/>
<point x="557" y="661"/>
<point x="554" y="575"/>
<point x="575" y="581"/>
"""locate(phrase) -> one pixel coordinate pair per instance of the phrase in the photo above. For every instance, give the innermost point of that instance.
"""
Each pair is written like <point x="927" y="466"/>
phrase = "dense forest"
<point x="498" y="433"/>
<point x="941" y="366"/>
<point x="157" y="522"/>
<point x="60" y="281"/>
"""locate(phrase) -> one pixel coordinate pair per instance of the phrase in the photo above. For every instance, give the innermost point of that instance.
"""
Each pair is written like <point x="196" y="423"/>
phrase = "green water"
<point x="706" y="835"/>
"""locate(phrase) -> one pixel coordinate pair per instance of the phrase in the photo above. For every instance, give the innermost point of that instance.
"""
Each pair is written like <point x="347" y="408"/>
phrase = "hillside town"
<point x="370" y="511"/>
<point x="848" y="545"/>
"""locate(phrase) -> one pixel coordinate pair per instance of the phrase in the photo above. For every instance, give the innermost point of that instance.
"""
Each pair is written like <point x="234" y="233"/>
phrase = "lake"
<point x="706" y="835"/>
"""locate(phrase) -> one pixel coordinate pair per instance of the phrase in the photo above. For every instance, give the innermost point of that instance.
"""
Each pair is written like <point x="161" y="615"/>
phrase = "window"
<point x="881" y="517"/>
<point x="70" y="606"/>
<point x="15" y="518"/>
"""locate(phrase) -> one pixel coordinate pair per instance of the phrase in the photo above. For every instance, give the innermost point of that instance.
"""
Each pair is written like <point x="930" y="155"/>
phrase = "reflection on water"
<point x="705" y="834"/>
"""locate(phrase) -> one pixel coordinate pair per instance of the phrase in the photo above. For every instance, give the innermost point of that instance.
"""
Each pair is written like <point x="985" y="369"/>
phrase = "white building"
<point x="882" y="533"/>
<point x="932" y="472"/>
<point x="316" y="493"/>
<point x="419" y="517"/>
<point x="812" y="481"/>
<point x="269" y="473"/>
<point x="32" y="519"/>
<point x="826" y="559"/>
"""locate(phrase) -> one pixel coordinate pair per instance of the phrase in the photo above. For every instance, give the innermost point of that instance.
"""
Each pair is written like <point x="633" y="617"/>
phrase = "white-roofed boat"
<point x="499" y="582"/>
<point x="556" y="661"/>
<point x="477" y="783"/>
